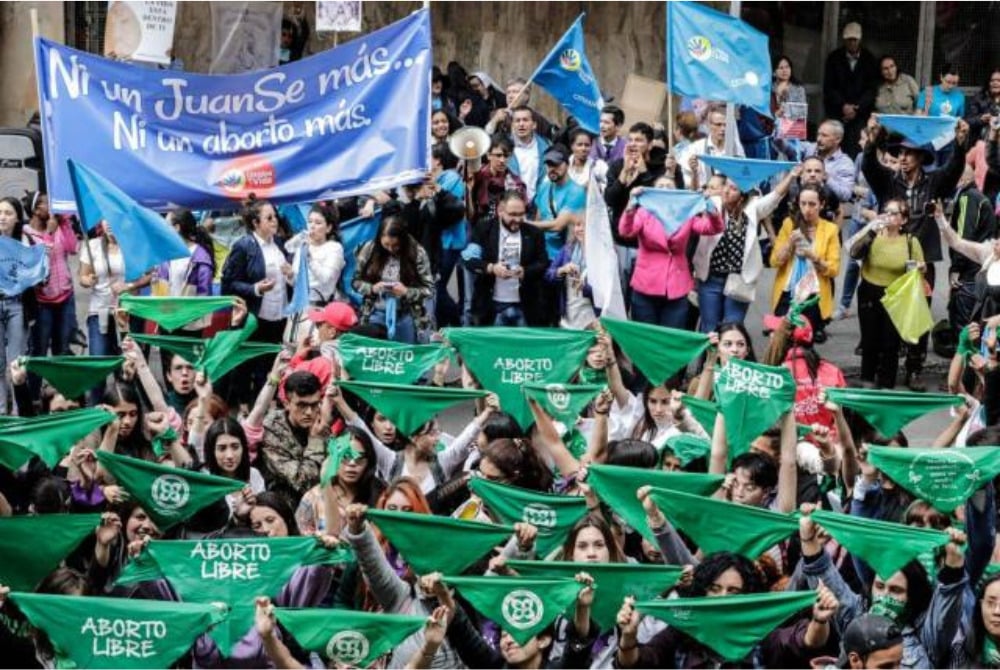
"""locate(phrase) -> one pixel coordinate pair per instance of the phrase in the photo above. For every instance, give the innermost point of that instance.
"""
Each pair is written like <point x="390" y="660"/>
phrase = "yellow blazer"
<point x="827" y="247"/>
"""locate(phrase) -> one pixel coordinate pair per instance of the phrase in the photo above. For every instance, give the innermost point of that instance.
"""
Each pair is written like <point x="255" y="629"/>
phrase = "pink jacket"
<point x="661" y="268"/>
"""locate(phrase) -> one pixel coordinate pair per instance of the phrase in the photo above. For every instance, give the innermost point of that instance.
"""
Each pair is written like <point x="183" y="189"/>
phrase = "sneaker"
<point x="915" y="382"/>
<point x="841" y="313"/>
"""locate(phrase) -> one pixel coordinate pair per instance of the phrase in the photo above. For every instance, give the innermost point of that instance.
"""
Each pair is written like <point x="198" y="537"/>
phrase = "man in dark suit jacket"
<point x="510" y="269"/>
<point x="850" y="83"/>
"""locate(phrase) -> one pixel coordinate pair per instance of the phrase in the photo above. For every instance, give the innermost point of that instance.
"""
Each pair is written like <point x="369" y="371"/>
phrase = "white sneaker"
<point x="841" y="313"/>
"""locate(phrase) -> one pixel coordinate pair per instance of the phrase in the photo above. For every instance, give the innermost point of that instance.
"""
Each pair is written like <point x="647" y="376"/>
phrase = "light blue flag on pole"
<point x="145" y="238"/>
<point x="746" y="172"/>
<point x="353" y="234"/>
<point x="672" y="207"/>
<point x="567" y="76"/>
<point x="937" y="131"/>
<point x="715" y="56"/>
<point x="21" y="267"/>
<point x="300" y="293"/>
<point x="297" y="216"/>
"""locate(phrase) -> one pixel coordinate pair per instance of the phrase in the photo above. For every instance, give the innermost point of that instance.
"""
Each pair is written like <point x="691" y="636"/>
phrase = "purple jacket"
<point x="598" y="150"/>
<point x="199" y="272"/>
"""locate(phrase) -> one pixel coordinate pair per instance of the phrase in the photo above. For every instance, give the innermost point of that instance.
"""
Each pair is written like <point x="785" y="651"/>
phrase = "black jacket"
<point x="534" y="260"/>
<point x="616" y="195"/>
<point x="842" y="85"/>
<point x="245" y="267"/>
<point x="972" y="218"/>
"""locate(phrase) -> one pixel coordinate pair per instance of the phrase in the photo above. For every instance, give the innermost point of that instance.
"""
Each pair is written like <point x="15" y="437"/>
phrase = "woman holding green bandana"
<point x="928" y="616"/>
<point x="978" y="643"/>
<point x="729" y="340"/>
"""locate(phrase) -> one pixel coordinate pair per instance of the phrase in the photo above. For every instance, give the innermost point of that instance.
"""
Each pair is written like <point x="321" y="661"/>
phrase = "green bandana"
<point x="657" y="351"/>
<point x="434" y="543"/>
<point x="26" y="560"/>
<point x="503" y="360"/>
<point x="729" y="625"/>
<point x="883" y="545"/>
<point x="382" y="361"/>
<point x="575" y="442"/>
<point x="589" y="375"/>
<point x="687" y="447"/>
<point x="163" y="441"/>
<point x="613" y="581"/>
<point x="944" y="477"/>
<point x="966" y="347"/>
<point x="991" y="655"/>
<point x="797" y="308"/>
<point x="49" y="436"/>
<point x="348" y="638"/>
<point x="522" y="607"/>
<point x="717" y="525"/>
<point x="751" y="397"/>
<point x="172" y="313"/>
<point x="117" y="632"/>
<point x="230" y="571"/>
<point x="616" y="486"/>
<point x="553" y="515"/>
<point x="338" y="448"/>
<point x="703" y="411"/>
<point x="409" y="407"/>
<point x="169" y="495"/>
<point x="563" y="402"/>
<point x="887" y="606"/>
<point x="188" y="348"/>
<point x="73" y="375"/>
<point x="889" y="411"/>
<point x="229" y="348"/>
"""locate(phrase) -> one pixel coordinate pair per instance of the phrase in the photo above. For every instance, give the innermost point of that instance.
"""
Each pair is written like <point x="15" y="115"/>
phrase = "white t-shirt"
<point x="109" y="267"/>
<point x="508" y="290"/>
<point x="272" y="303"/>
<point x="527" y="164"/>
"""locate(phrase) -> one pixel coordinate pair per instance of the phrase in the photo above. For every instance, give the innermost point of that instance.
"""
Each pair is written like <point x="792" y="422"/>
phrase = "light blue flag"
<point x="297" y="216"/>
<point x="715" y="56"/>
<point x="300" y="294"/>
<point x="672" y="207"/>
<point x="566" y="74"/>
<point x="353" y="234"/>
<point x="145" y="238"/>
<point x="21" y="267"/>
<point x="937" y="131"/>
<point x="746" y="172"/>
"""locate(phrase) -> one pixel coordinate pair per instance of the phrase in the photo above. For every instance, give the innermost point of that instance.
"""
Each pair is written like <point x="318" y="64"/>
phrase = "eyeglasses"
<point x="893" y="212"/>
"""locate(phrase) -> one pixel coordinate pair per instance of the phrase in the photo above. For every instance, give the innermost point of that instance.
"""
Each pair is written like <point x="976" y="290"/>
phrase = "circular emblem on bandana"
<point x="558" y="396"/>
<point x="170" y="491"/>
<point x="348" y="647"/>
<point x="522" y="609"/>
<point x="946" y="477"/>
<point x="540" y="515"/>
<point x="700" y="48"/>
<point x="570" y="60"/>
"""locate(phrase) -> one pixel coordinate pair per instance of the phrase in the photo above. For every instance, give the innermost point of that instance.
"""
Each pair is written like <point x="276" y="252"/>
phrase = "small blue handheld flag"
<point x="566" y="74"/>
<point x="937" y="131"/>
<point x="672" y="207"/>
<point x="746" y="172"/>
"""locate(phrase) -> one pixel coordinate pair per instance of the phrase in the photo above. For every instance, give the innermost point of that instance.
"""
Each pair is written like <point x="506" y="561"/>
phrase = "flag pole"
<point x="670" y="93"/>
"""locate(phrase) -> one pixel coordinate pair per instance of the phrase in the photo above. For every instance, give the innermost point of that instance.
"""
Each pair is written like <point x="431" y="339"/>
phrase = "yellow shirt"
<point x="887" y="256"/>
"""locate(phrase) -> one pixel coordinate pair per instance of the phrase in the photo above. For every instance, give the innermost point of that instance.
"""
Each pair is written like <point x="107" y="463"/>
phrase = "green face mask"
<point x="887" y="606"/>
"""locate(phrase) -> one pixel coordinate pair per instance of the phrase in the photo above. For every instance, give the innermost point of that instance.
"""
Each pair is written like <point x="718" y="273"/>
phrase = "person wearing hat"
<point x="918" y="189"/>
<point x="850" y="81"/>
<point x="329" y="323"/>
<point x="871" y="641"/>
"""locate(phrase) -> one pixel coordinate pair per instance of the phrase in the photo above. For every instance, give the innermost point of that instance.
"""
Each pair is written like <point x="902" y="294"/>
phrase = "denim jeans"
<point x="508" y="314"/>
<point x="406" y="331"/>
<point x="717" y="308"/>
<point x="660" y="311"/>
<point x="54" y="327"/>
<point x="13" y="339"/>
<point x="101" y="344"/>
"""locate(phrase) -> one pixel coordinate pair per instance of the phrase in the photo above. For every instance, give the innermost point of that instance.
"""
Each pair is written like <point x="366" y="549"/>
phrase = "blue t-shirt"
<point x="951" y="103"/>
<point x="568" y="196"/>
<point x="454" y="236"/>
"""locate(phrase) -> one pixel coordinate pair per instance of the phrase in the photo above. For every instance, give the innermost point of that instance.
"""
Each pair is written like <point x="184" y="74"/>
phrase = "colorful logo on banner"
<point x="700" y="48"/>
<point x="570" y="60"/>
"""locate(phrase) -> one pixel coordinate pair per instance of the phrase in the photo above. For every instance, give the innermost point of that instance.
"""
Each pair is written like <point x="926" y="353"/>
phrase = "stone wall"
<point x="17" y="63"/>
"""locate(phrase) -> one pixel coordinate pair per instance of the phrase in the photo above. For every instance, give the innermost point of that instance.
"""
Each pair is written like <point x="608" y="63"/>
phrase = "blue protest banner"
<point x="746" y="172"/>
<point x="145" y="237"/>
<point x="715" y="56"/>
<point x="21" y="266"/>
<point x="672" y="207"/>
<point x="937" y="131"/>
<point x="353" y="234"/>
<point x="566" y="74"/>
<point x="348" y="120"/>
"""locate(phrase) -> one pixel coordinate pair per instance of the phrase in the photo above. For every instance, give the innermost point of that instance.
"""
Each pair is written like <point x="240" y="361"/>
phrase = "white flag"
<point x="600" y="256"/>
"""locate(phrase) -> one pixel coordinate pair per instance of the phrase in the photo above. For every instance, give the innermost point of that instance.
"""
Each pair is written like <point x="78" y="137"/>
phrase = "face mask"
<point x="887" y="606"/>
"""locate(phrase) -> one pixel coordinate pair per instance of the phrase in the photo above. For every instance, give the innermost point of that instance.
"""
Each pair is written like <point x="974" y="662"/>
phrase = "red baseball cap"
<point x="800" y="334"/>
<point x="337" y="314"/>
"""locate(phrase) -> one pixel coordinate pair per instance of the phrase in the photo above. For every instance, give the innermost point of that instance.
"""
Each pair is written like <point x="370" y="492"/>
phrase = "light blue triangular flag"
<point x="21" y="266"/>
<point x="353" y="234"/>
<point x="300" y="295"/>
<point x="567" y="76"/>
<point x="936" y="131"/>
<point x="296" y="215"/>
<point x="746" y="172"/>
<point x="145" y="238"/>
<point x="672" y="207"/>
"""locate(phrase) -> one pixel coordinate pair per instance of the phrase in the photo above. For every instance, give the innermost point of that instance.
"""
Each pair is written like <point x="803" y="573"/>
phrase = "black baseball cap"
<point x="866" y="634"/>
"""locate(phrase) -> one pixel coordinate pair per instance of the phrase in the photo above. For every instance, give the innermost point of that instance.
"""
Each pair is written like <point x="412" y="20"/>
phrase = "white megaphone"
<point x="469" y="144"/>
